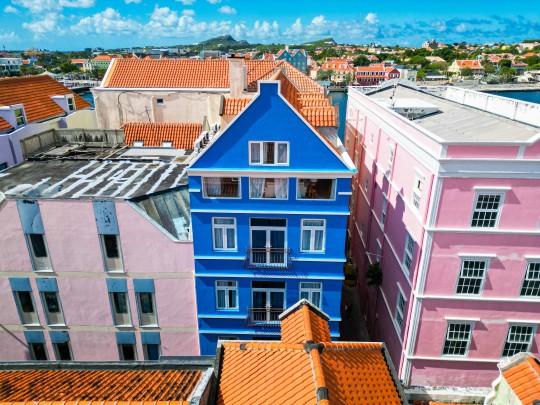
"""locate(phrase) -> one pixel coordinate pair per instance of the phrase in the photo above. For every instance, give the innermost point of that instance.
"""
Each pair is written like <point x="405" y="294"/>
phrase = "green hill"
<point x="223" y="40"/>
<point x="321" y="43"/>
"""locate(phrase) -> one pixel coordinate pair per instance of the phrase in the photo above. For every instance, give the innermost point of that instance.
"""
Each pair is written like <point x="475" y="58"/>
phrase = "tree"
<point x="323" y="75"/>
<point x="68" y="67"/>
<point x="361" y="60"/>
<point x="348" y="79"/>
<point x="507" y="73"/>
<point x="466" y="71"/>
<point x="505" y="63"/>
<point x="532" y="60"/>
<point x="489" y="68"/>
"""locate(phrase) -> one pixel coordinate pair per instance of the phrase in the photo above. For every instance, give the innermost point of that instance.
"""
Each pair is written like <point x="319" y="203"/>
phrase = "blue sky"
<point x="77" y="24"/>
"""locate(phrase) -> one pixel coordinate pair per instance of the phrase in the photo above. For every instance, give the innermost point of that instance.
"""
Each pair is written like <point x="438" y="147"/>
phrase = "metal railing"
<point x="268" y="258"/>
<point x="264" y="316"/>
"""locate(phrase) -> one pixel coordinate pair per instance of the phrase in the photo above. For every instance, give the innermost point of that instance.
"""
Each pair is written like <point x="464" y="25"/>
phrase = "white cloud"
<point x="77" y="3"/>
<point x="227" y="10"/>
<point x="187" y="2"/>
<point x="440" y="26"/>
<point x="49" y="23"/>
<point x="319" y="20"/>
<point x="38" y="6"/>
<point x="132" y="1"/>
<point x="188" y="12"/>
<point x="8" y="36"/>
<point x="214" y="1"/>
<point x="296" y="28"/>
<point x="371" y="18"/>
<point x="10" y="9"/>
<point x="461" y="27"/>
<point x="108" y="22"/>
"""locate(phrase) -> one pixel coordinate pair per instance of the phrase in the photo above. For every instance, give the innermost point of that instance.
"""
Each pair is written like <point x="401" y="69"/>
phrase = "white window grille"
<point x="486" y="210"/>
<point x="471" y="277"/>
<point x="458" y="339"/>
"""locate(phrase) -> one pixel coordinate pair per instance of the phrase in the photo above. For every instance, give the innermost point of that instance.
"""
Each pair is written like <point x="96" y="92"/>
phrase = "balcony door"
<point x="268" y="300"/>
<point x="268" y="241"/>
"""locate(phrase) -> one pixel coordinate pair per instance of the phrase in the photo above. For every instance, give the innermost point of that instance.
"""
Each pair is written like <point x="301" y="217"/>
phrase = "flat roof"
<point x="81" y="179"/>
<point x="456" y="122"/>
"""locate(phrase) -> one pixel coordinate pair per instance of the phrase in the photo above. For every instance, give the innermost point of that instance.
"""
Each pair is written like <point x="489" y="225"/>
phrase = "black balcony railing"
<point x="264" y="317"/>
<point x="268" y="258"/>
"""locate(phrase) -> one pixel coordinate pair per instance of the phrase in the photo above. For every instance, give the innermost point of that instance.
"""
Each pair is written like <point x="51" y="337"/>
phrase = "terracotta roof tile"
<point x="181" y="134"/>
<point x="103" y="57"/>
<point x="524" y="379"/>
<point x="292" y="371"/>
<point x="147" y="386"/>
<point x="35" y="92"/>
<point x="232" y="106"/>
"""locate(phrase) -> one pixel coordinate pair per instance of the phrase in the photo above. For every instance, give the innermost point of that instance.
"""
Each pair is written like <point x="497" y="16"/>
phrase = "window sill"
<point x="148" y="326"/>
<point x="57" y="325"/>
<point x="123" y="326"/>
<point x="115" y="272"/>
<point x="44" y="271"/>
<point x="227" y="309"/>
<point x="31" y="325"/>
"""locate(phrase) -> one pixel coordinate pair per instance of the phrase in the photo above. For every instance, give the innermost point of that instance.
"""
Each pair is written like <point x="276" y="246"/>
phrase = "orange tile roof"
<point x="103" y="57"/>
<point x="4" y="125"/>
<point x="470" y="63"/>
<point x="181" y="134"/>
<point x="35" y="92"/>
<point x="305" y="367"/>
<point x="192" y="73"/>
<point x="524" y="379"/>
<point x="43" y="386"/>
<point x="232" y="106"/>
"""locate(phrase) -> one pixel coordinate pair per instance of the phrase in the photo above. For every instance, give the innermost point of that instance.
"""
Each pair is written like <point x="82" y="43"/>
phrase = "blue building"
<point x="269" y="205"/>
<point x="296" y="57"/>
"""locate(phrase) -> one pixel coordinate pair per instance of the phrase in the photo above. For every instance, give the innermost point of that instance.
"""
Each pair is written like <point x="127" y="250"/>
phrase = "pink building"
<point x="97" y="258"/>
<point x="447" y="201"/>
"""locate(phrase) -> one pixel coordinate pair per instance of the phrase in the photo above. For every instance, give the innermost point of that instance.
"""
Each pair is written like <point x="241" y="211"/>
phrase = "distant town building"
<point x="84" y="65"/>
<point x="477" y="70"/>
<point x="374" y="74"/>
<point x="101" y="62"/>
<point x="431" y="44"/>
<point x="296" y="57"/>
<point x="441" y="206"/>
<point x="406" y="73"/>
<point x="10" y="65"/>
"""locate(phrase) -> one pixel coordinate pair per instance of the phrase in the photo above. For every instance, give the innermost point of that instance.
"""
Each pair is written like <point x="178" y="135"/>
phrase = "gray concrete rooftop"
<point x="459" y="123"/>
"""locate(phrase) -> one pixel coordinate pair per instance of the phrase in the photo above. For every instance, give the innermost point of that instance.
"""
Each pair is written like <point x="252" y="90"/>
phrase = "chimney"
<point x="237" y="77"/>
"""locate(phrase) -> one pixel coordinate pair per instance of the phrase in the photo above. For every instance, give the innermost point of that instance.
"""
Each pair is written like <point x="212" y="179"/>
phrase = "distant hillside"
<point x="323" y="43"/>
<point x="224" y="40"/>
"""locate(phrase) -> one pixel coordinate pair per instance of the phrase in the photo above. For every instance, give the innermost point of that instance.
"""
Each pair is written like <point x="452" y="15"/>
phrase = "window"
<point x="226" y="295"/>
<point x="120" y="308"/>
<point x="268" y="153"/>
<point x="228" y="338"/>
<point x="313" y="235"/>
<point x="268" y="188"/>
<point x="417" y="191"/>
<point x="27" y="310"/>
<point x="19" y="117"/>
<point x="471" y="277"/>
<point x="53" y="309"/>
<point x="409" y="251"/>
<point x="400" y="309"/>
<point x="458" y="339"/>
<point x="371" y="138"/>
<point x="39" y="252"/>
<point x="166" y="144"/>
<point x="366" y="185"/>
<point x="110" y="245"/>
<point x="151" y="351"/>
<point x="147" y="309"/>
<point x="383" y="212"/>
<point x="38" y="351"/>
<point x="224" y="233"/>
<point x="63" y="351"/>
<point x="159" y="101"/>
<point x="311" y="292"/>
<point x="518" y="339"/>
<point x="390" y="161"/>
<point x="71" y="104"/>
<point x="316" y="189"/>
<point x="127" y="352"/>
<point x="531" y="282"/>
<point x="486" y="210"/>
<point x="138" y="143"/>
<point x="221" y="187"/>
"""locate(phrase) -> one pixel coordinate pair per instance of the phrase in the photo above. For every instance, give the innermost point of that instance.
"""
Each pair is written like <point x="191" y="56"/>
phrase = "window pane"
<point x="321" y="189"/>
<point x="26" y="301"/>
<point x="306" y="239"/>
<point x="111" y="246"/>
<point x="51" y="301"/>
<point x="120" y="303"/>
<point x="62" y="351"/>
<point x="152" y="352"/>
<point x="267" y="222"/>
<point x="224" y="187"/>
<point x="268" y="152"/>
<point x="232" y="298"/>
<point x="147" y="303"/>
<point x="38" y="244"/>
<point x="256" y="153"/>
<point x="319" y="236"/>
<point x="231" y="238"/>
<point x="218" y="238"/>
<point x="224" y="221"/>
<point x="282" y="153"/>
<point x="38" y="351"/>
<point x="316" y="298"/>
<point x="128" y="352"/>
<point x="313" y="222"/>
<point x="221" y="298"/>
<point x="304" y="295"/>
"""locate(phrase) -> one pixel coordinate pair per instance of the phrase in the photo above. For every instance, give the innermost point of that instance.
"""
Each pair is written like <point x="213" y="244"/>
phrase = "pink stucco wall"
<point x="75" y="252"/>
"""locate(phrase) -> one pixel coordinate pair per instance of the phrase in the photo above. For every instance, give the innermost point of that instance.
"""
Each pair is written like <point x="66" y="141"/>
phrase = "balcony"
<point x="268" y="258"/>
<point x="264" y="317"/>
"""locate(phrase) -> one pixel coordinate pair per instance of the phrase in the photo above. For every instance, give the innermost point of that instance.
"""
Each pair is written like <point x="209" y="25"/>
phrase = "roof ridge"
<point x="321" y="390"/>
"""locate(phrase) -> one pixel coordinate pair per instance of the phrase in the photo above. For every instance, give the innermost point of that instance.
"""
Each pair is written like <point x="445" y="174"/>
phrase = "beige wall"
<point x="116" y="107"/>
<point x="82" y="119"/>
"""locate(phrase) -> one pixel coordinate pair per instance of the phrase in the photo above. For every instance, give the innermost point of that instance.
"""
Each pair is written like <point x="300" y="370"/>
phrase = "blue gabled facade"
<point x="269" y="206"/>
<point x="296" y="57"/>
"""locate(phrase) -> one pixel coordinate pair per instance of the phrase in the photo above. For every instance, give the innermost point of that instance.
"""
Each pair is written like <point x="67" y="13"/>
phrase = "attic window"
<point x="167" y="144"/>
<point x="71" y="104"/>
<point x="138" y="143"/>
<point x="19" y="117"/>
<point x="159" y="101"/>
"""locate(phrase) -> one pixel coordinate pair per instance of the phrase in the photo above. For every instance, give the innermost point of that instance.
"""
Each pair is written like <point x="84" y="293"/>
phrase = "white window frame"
<point x="138" y="144"/>
<point x="108" y="261"/>
<point x="499" y="209"/>
<point x="261" y="153"/>
<point x="332" y="191"/>
<point x="528" y="343"/>
<point x="471" y="323"/>
<point x="56" y="355"/>
<point x="166" y="144"/>
<point x="46" y="259"/>
<point x="139" y="309"/>
<point x="366" y="184"/>
<point x="383" y="211"/>
<point x="399" y="312"/>
<point x="160" y="101"/>
<point x="310" y="291"/>
<point x="121" y="354"/>
<point x="239" y="194"/>
<point x="113" y="310"/>
<point x="391" y="158"/>
<point x="227" y="290"/>
<point x="312" y="230"/>
<point x="71" y="107"/>
<point x="464" y="259"/>
<point x="408" y="253"/>
<point x="526" y="277"/>
<point x="19" y="308"/>
<point x="417" y="191"/>
<point x="46" y="310"/>
<point x="23" y="116"/>
<point x="267" y="198"/>
<point x="223" y="228"/>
